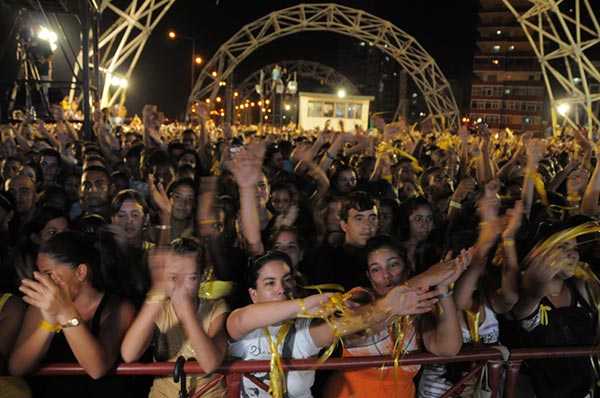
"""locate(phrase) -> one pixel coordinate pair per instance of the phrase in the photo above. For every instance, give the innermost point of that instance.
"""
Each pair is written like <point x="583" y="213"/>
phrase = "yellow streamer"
<point x="385" y="147"/>
<point x="539" y="184"/>
<point x="277" y="376"/>
<point x="212" y="289"/>
<point x="397" y="331"/>
<point x="544" y="309"/>
<point x="473" y="325"/>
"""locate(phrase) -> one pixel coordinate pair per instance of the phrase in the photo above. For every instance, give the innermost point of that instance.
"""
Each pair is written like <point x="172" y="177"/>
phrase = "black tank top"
<point x="574" y="325"/>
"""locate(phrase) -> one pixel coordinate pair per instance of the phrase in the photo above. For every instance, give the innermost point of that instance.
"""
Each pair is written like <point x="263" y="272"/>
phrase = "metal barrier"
<point x="233" y="370"/>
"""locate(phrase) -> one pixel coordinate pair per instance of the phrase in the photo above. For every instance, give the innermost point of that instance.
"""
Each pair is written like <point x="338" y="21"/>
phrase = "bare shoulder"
<point x="118" y="309"/>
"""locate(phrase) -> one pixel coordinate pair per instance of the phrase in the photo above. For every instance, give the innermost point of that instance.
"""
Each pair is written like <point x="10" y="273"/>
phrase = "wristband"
<point x="388" y="178"/>
<point x="508" y="242"/>
<point x="573" y="198"/>
<point x="445" y="295"/>
<point x="48" y="327"/>
<point x="454" y="204"/>
<point x="163" y="227"/>
<point x="208" y="221"/>
<point x="154" y="297"/>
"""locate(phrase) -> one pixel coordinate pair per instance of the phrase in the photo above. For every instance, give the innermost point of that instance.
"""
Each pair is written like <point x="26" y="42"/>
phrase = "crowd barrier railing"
<point x="234" y="370"/>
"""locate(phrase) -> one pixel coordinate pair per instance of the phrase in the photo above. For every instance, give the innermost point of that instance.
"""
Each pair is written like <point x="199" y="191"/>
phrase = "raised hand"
<point x="246" y="164"/>
<point x="515" y="217"/>
<point x="157" y="260"/>
<point x="50" y="296"/>
<point x="158" y="196"/>
<point x="403" y="300"/>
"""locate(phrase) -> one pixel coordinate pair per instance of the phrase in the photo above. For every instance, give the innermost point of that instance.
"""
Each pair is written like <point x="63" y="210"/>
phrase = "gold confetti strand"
<point x="277" y="375"/>
<point x="545" y="247"/>
<point x="539" y="184"/>
<point x="324" y="286"/>
<point x="397" y="331"/>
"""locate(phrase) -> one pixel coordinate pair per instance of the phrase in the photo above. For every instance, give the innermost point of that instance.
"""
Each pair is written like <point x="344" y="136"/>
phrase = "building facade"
<point x="508" y="88"/>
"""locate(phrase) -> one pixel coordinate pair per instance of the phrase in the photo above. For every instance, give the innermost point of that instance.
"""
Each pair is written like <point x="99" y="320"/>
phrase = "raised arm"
<point x="139" y="336"/>
<point x="245" y="320"/>
<point x="246" y="168"/>
<point x="507" y="295"/>
<point x="589" y="202"/>
<point x="535" y="152"/>
<point x="440" y="330"/>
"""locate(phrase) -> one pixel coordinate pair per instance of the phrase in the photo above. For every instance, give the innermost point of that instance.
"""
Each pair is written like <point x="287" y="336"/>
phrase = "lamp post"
<point x="195" y="59"/>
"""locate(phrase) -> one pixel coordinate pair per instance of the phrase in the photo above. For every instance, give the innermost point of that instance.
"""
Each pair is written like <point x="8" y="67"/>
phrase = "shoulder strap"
<point x="98" y="314"/>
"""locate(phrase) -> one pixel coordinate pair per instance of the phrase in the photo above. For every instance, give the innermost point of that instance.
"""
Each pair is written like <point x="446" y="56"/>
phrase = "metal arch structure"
<point x="122" y="43"/>
<point x="560" y="42"/>
<point x="339" y="19"/>
<point x="306" y="69"/>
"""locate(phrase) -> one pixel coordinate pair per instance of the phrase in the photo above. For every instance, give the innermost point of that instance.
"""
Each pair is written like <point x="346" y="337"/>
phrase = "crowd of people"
<point x="215" y="242"/>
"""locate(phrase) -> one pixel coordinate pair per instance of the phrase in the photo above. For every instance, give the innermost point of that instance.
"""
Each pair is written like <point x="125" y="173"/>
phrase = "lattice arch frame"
<point x="334" y="18"/>
<point x="306" y="69"/>
<point x="560" y="42"/>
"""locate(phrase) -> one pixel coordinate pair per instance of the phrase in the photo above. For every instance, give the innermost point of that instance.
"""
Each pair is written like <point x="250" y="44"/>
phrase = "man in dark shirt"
<point x="346" y="265"/>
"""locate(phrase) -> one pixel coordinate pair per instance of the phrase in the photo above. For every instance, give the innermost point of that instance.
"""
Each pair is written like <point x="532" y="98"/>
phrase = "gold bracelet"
<point x="573" y="198"/>
<point x="388" y="178"/>
<point x="454" y="204"/>
<point x="163" y="227"/>
<point x="155" y="297"/>
<point x="483" y="224"/>
<point x="508" y="242"/>
<point x="208" y="221"/>
<point x="48" y="327"/>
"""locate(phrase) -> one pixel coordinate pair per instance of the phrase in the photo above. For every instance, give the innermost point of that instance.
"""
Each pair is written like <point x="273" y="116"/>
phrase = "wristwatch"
<point x="72" y="322"/>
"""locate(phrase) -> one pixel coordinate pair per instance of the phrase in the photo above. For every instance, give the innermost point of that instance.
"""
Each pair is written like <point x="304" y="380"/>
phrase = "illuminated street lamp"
<point x="196" y="60"/>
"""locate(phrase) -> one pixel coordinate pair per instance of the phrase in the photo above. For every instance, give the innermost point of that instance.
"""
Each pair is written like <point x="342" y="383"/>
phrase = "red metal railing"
<point x="233" y="370"/>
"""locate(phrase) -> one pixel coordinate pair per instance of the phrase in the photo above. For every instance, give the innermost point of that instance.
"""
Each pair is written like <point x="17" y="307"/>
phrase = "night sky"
<point x="445" y="29"/>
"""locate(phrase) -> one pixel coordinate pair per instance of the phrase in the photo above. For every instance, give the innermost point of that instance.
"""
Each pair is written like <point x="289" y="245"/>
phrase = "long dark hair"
<point x="72" y="248"/>
<point x="256" y="263"/>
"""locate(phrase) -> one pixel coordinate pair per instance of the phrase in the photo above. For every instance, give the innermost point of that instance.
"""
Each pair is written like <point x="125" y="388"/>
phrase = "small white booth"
<point x="315" y="108"/>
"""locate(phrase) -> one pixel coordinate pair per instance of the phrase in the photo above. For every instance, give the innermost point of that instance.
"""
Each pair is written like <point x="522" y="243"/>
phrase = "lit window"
<point x="495" y="61"/>
<point x="511" y="48"/>
<point x="496" y="48"/>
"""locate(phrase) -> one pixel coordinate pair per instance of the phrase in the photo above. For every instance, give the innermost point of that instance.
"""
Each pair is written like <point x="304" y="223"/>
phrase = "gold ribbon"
<point x="539" y="185"/>
<point x="212" y="289"/>
<point x="473" y="325"/>
<point x="544" y="309"/>
<point x="386" y="148"/>
<point x="277" y="375"/>
<point x="397" y="330"/>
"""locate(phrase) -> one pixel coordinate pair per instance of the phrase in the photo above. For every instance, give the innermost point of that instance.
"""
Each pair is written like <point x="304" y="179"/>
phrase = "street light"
<point x="196" y="60"/>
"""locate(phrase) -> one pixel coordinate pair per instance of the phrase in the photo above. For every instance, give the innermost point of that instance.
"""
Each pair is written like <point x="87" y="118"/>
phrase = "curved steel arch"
<point x="307" y="69"/>
<point x="560" y="41"/>
<point x="337" y="19"/>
